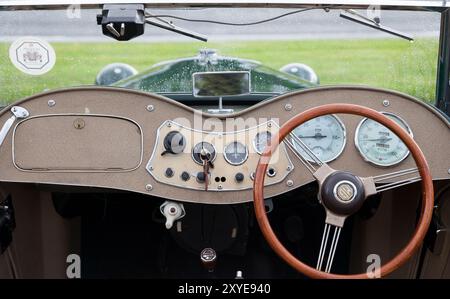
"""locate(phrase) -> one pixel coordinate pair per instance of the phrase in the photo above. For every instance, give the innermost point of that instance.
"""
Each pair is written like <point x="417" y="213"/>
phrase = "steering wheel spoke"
<point x="384" y="182"/>
<point x="312" y="167"/>
<point x="335" y="231"/>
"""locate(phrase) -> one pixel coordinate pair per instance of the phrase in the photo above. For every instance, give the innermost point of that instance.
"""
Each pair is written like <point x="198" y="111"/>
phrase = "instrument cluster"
<point x="215" y="161"/>
<point x="325" y="137"/>
<point x="226" y="161"/>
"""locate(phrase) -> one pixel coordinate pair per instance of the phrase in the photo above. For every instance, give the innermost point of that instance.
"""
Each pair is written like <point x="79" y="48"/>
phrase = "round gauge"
<point x="235" y="153"/>
<point x="261" y="140"/>
<point x="379" y="145"/>
<point x="323" y="135"/>
<point x="174" y="143"/>
<point x="205" y="147"/>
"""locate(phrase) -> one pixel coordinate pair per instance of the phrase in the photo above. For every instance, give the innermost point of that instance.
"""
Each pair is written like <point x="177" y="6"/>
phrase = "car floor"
<point x="124" y="239"/>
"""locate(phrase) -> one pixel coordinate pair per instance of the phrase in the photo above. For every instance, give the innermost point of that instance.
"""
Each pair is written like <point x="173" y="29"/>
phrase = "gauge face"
<point x="174" y="143"/>
<point x="379" y="145"/>
<point x="235" y="153"/>
<point x="207" y="148"/>
<point x="261" y="140"/>
<point x="324" y="136"/>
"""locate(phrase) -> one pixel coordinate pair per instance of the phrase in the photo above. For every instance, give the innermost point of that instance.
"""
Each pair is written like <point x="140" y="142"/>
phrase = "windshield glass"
<point x="45" y="50"/>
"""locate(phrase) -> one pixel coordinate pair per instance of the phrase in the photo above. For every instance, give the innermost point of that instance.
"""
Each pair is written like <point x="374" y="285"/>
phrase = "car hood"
<point x="175" y="76"/>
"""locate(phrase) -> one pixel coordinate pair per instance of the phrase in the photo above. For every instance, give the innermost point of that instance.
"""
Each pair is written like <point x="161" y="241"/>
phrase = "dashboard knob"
<point x="174" y="143"/>
<point x="185" y="176"/>
<point x="200" y="177"/>
<point x="208" y="256"/>
<point x="169" y="172"/>
<point x="239" y="177"/>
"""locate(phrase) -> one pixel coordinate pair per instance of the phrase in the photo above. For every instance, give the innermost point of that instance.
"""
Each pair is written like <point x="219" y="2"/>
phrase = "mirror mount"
<point x="220" y="110"/>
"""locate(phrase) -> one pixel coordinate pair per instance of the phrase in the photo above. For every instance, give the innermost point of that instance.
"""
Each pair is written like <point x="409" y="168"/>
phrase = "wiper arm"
<point x="171" y="27"/>
<point x="354" y="16"/>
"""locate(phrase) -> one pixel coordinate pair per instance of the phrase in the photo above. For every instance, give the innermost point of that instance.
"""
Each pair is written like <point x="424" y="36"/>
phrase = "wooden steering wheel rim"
<point x="422" y="165"/>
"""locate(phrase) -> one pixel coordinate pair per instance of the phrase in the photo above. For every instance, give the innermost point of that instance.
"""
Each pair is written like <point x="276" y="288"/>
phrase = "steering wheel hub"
<point x="342" y="193"/>
<point x="345" y="191"/>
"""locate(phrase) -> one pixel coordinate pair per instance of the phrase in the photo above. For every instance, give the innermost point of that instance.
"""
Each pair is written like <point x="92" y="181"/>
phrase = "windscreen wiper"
<point x="127" y="21"/>
<point x="168" y="25"/>
<point x="354" y="16"/>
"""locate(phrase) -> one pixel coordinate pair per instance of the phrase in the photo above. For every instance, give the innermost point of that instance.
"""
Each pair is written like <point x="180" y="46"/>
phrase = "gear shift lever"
<point x="208" y="256"/>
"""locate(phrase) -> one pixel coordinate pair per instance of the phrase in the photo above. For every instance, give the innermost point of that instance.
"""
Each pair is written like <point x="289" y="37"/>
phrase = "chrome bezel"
<point x="336" y="196"/>
<point x="192" y="152"/>
<point x="358" y="146"/>
<point x="344" y="130"/>
<point x="255" y="147"/>
<point x="228" y="160"/>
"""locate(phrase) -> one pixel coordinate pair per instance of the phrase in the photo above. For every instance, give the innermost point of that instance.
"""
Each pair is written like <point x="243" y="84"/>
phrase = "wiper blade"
<point x="171" y="27"/>
<point x="358" y="18"/>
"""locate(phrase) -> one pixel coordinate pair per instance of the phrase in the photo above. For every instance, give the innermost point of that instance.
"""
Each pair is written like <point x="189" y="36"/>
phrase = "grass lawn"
<point x="389" y="63"/>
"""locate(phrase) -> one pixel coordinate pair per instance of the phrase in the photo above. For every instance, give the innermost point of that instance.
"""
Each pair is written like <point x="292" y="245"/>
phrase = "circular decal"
<point x="32" y="55"/>
<point x="344" y="191"/>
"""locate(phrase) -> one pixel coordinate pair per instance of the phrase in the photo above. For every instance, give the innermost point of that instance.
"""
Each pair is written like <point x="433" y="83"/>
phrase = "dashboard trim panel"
<point x="75" y="170"/>
<point x="270" y="123"/>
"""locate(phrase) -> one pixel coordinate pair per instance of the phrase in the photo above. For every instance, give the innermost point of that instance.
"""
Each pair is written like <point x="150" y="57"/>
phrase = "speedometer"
<point x="323" y="135"/>
<point x="379" y="145"/>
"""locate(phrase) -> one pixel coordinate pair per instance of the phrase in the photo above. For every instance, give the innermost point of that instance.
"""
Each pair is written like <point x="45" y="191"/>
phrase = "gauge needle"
<point x="313" y="136"/>
<point x="378" y="139"/>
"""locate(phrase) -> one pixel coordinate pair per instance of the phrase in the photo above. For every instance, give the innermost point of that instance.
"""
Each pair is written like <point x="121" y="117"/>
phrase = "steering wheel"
<point x="342" y="194"/>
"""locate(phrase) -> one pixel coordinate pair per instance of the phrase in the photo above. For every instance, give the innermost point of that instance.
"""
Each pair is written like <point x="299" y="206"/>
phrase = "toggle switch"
<point x="172" y="211"/>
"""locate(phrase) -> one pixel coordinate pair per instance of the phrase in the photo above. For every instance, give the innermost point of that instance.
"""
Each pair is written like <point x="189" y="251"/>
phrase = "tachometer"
<point x="379" y="145"/>
<point x="324" y="136"/>
<point x="235" y="153"/>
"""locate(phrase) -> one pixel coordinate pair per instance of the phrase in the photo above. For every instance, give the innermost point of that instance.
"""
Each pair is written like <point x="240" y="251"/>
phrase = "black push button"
<point x="185" y="176"/>
<point x="169" y="172"/>
<point x="239" y="177"/>
<point x="201" y="177"/>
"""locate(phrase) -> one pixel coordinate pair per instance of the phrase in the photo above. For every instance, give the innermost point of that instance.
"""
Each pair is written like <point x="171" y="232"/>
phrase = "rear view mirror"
<point x="221" y="84"/>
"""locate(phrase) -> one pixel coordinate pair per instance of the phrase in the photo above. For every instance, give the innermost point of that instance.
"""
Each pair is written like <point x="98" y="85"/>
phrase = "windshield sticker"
<point x="32" y="56"/>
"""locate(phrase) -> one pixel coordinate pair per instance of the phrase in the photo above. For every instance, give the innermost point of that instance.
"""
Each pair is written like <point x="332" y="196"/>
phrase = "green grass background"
<point x="388" y="63"/>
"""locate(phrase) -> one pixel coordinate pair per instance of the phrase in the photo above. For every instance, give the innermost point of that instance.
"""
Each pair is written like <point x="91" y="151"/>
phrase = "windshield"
<point x="46" y="50"/>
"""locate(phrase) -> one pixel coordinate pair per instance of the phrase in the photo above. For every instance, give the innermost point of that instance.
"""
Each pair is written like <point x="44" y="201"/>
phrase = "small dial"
<point x="379" y="145"/>
<point x="235" y="153"/>
<point x="323" y="135"/>
<point x="261" y="140"/>
<point x="205" y="147"/>
<point x="174" y="143"/>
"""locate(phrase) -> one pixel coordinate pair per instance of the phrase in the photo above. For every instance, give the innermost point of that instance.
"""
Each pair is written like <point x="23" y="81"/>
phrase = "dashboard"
<point x="128" y="140"/>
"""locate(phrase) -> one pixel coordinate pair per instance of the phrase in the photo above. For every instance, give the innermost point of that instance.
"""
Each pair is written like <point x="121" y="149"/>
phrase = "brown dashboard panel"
<point x="77" y="142"/>
<point x="132" y="109"/>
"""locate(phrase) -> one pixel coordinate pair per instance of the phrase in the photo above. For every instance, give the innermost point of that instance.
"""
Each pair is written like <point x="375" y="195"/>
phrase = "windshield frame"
<point x="363" y="4"/>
